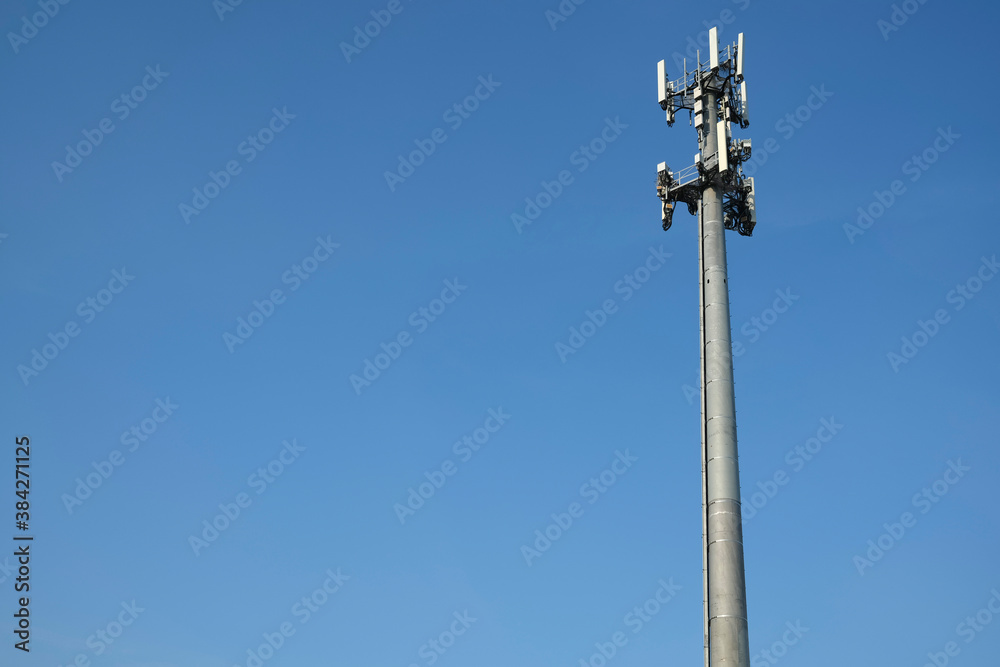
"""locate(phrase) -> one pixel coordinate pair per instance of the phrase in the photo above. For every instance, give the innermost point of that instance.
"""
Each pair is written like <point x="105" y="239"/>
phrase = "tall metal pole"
<point x="704" y="435"/>
<point x="728" y="636"/>
<point x="717" y="189"/>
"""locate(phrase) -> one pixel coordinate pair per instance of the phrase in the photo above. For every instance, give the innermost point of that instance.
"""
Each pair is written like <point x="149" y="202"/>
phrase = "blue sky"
<point x="244" y="255"/>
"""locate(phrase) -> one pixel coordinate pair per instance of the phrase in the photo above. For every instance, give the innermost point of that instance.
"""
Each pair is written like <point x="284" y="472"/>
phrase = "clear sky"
<point x="214" y="215"/>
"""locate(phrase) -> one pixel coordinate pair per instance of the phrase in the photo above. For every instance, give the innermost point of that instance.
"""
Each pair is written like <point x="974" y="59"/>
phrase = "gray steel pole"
<point x="729" y="644"/>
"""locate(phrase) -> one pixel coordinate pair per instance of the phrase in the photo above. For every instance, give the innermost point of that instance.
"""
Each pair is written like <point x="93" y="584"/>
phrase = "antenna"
<point x="739" y="58"/>
<point x="713" y="47"/>
<point x="661" y="80"/>
<point x="743" y="102"/>
<point x="723" y="145"/>
<point x="723" y="197"/>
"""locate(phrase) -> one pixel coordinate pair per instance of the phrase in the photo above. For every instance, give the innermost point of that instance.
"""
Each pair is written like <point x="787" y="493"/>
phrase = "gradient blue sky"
<point x="494" y="347"/>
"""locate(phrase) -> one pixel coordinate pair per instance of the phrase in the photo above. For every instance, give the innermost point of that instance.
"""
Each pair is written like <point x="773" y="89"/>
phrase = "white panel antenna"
<point x="739" y="57"/>
<point x="661" y="71"/>
<point x="722" y="133"/>
<point x="743" y="96"/>
<point x="713" y="47"/>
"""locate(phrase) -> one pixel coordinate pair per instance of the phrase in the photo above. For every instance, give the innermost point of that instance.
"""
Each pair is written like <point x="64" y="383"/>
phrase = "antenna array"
<point x="719" y="163"/>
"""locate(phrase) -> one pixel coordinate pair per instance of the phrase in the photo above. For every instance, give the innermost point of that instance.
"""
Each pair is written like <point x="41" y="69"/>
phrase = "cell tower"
<point x="715" y="189"/>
